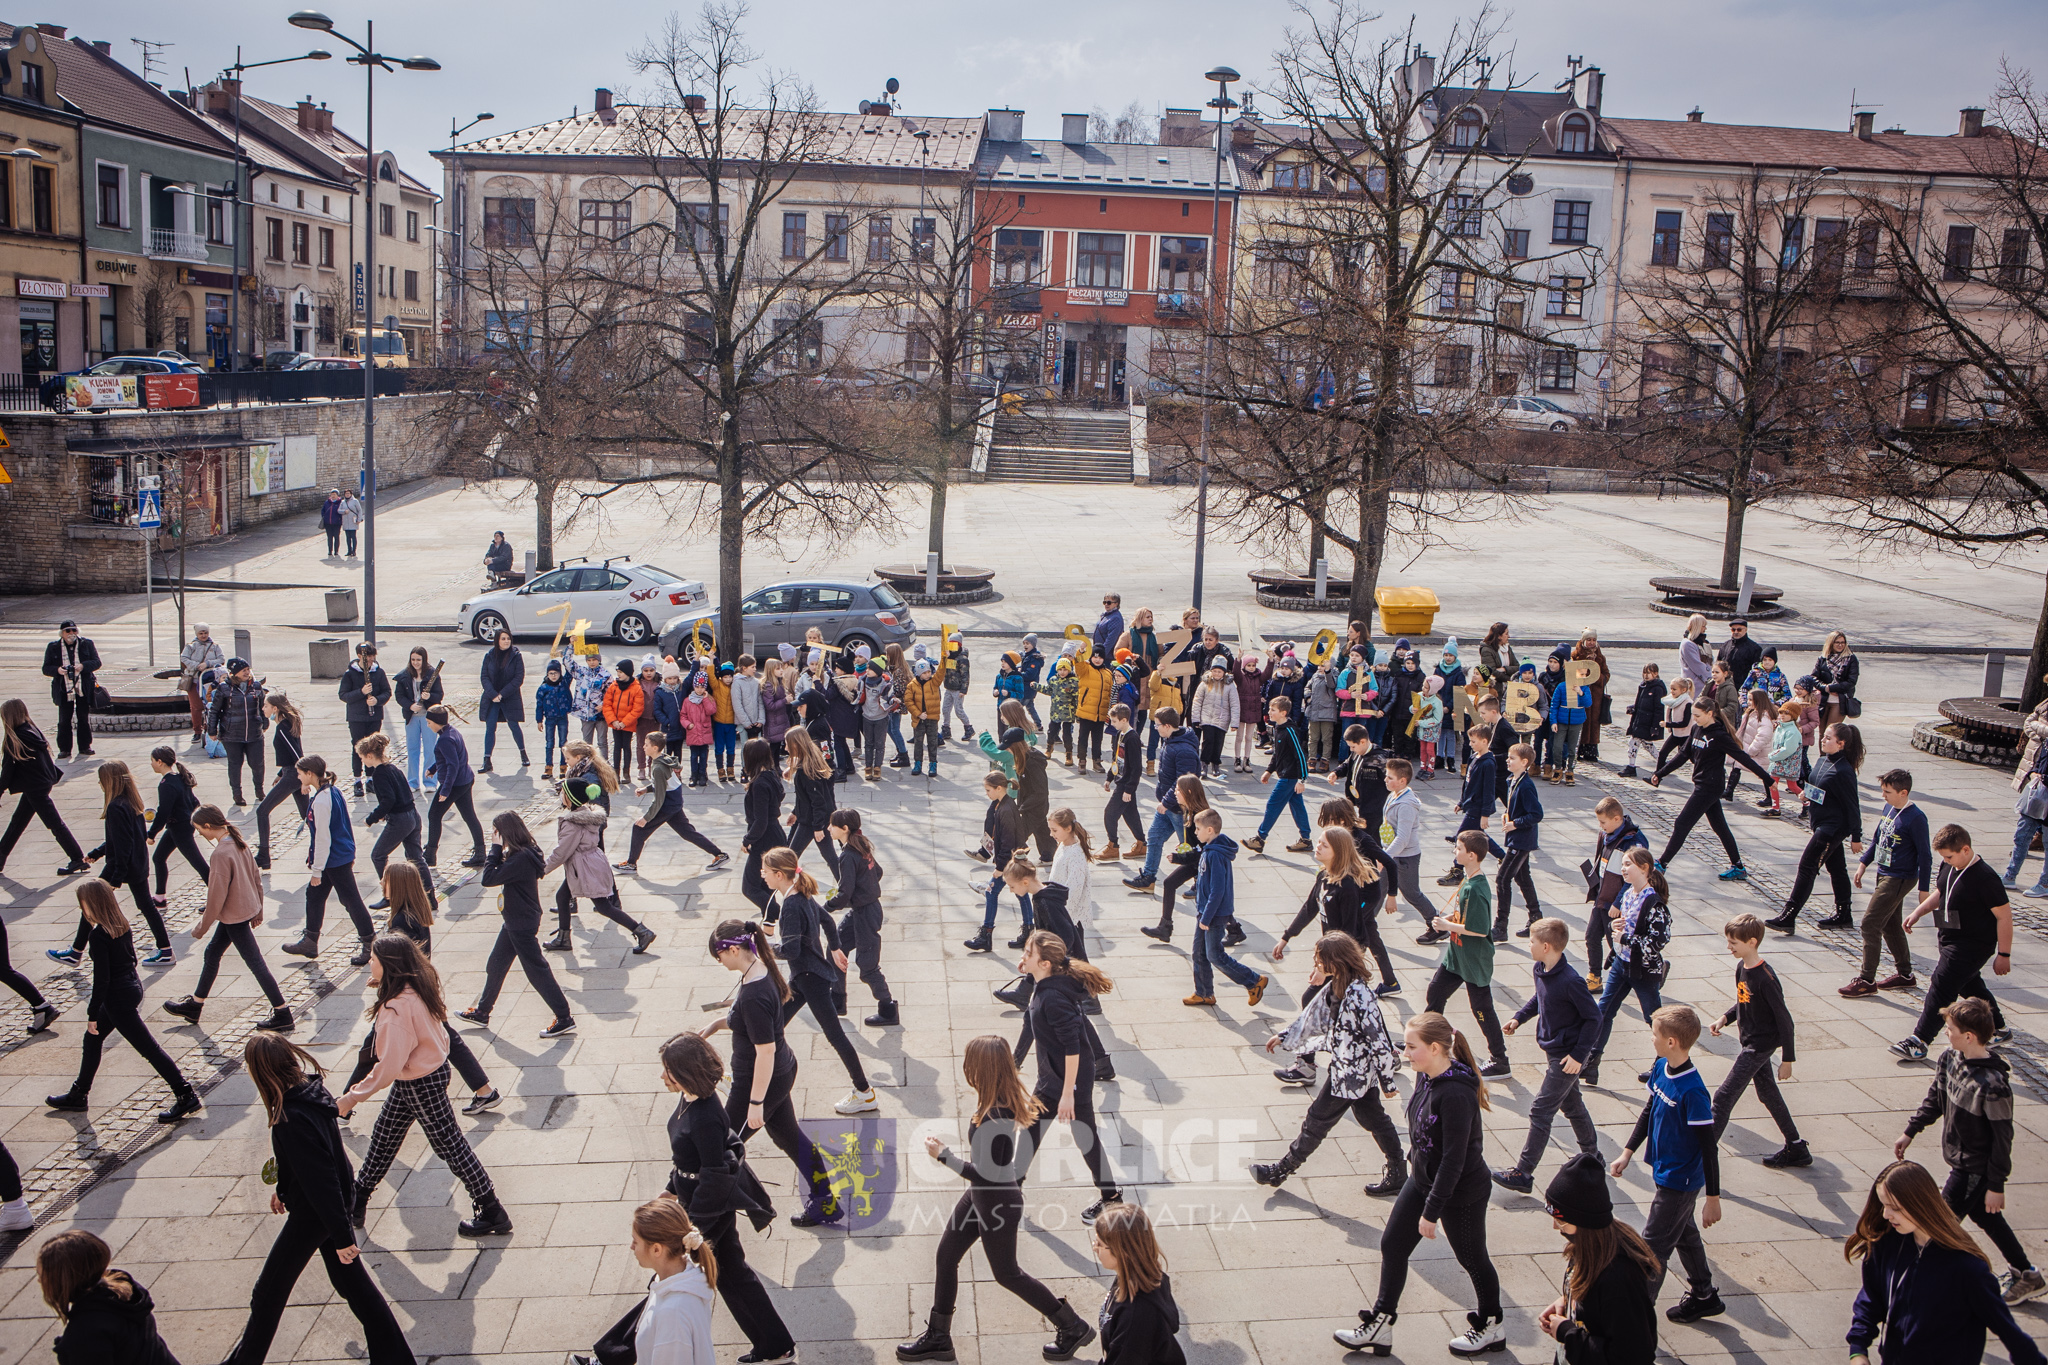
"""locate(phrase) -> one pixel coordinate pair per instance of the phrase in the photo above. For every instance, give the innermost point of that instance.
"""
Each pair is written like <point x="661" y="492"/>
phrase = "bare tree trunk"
<point x="935" y="539"/>
<point x="1731" y="538"/>
<point x="544" y="491"/>
<point x="731" y="542"/>
<point x="2034" y="690"/>
<point x="1318" y="538"/>
<point x="1374" y="498"/>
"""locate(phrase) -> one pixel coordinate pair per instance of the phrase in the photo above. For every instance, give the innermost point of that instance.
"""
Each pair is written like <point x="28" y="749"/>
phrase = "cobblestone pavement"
<point x="1261" y="1275"/>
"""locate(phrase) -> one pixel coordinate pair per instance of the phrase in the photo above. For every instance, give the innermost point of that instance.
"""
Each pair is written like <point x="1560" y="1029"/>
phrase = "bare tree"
<point x="152" y="300"/>
<point x="1131" y="124"/>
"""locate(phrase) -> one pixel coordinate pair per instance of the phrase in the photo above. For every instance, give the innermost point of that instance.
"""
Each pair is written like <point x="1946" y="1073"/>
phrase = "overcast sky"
<point x="1792" y="62"/>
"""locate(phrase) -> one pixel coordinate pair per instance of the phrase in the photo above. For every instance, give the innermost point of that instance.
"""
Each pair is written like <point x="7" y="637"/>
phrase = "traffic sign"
<point x="150" y="503"/>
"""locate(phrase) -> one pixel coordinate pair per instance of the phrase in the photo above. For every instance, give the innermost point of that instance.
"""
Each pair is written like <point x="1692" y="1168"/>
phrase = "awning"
<point x="156" y="445"/>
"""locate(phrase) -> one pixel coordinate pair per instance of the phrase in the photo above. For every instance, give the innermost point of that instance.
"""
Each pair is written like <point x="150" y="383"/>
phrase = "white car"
<point x="1539" y="414"/>
<point x="619" y="598"/>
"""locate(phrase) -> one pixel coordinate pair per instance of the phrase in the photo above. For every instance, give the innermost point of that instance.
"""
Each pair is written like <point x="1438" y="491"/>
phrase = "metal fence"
<point x="252" y="387"/>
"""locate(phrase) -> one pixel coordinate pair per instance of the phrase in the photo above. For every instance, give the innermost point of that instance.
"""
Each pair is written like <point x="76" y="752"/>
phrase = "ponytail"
<point x="316" y="765"/>
<point x="1065" y="818"/>
<point x="213" y="817"/>
<point x="1436" y="1031"/>
<point x="166" y="755"/>
<point x="849" y="820"/>
<point x="783" y="860"/>
<point x="746" y="934"/>
<point x="1052" y="950"/>
<point x="663" y="1222"/>
<point x="1641" y="858"/>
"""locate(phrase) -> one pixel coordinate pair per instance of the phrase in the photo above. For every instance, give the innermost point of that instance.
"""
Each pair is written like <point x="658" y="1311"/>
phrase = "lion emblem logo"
<point x="859" y="1157"/>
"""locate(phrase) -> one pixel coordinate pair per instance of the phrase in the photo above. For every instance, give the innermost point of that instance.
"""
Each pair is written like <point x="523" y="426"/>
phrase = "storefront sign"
<point x="37" y="312"/>
<point x="1052" y="352"/>
<point x="102" y="391"/>
<point x="116" y="267"/>
<point x="1108" y="298"/>
<point x="1017" y="321"/>
<point x="90" y="291"/>
<point x="40" y="289"/>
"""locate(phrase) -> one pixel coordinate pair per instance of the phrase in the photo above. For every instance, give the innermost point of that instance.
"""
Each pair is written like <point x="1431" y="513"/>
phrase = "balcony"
<point x="168" y="244"/>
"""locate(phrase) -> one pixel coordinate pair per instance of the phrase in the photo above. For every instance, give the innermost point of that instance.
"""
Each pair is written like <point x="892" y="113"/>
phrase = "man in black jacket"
<point x="236" y="719"/>
<point x="1126" y="766"/>
<point x="1740" y="653"/>
<point x="365" y="687"/>
<point x="70" y="663"/>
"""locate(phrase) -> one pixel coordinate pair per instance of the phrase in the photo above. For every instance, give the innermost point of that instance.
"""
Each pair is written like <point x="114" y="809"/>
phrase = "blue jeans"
<point x="1165" y="825"/>
<point x="1209" y="953"/>
<point x="1614" y="992"/>
<point x="725" y="741"/>
<point x="1286" y="795"/>
<point x="700" y="764"/>
<point x="2023" y="839"/>
<point x="1031" y="710"/>
<point x="896" y="734"/>
<point x="1376" y="729"/>
<point x="995" y="892"/>
<point x="554" y="730"/>
<point x="491" y="738"/>
<point x="419" y="749"/>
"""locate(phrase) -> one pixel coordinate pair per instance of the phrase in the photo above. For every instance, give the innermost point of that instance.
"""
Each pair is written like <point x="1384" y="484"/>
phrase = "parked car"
<point x="328" y="362"/>
<point x="284" y="360"/>
<point x="618" y="598"/>
<point x="1539" y="414"/>
<point x="51" y="390"/>
<point x="873" y="614"/>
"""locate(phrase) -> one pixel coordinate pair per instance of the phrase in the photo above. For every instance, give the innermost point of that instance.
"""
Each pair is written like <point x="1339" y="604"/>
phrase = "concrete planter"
<point x="1949" y="741"/>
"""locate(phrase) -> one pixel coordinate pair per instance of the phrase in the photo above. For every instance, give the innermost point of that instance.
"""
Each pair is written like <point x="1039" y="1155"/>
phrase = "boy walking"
<point x="1468" y="957"/>
<point x="1904" y="858"/>
<point x="1286" y="769"/>
<point x="1401" y="828"/>
<point x="1215" y="907"/>
<point x="1126" y="766"/>
<point x="1678" y="1122"/>
<point x="1481" y="792"/>
<point x="1972" y="1097"/>
<point x="1567" y="1026"/>
<point x="1973" y="916"/>
<point x="1765" y="1026"/>
<point x="1525" y="811"/>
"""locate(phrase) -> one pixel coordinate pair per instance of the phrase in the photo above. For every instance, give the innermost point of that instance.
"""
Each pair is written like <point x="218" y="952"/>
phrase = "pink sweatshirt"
<point x="410" y="1044"/>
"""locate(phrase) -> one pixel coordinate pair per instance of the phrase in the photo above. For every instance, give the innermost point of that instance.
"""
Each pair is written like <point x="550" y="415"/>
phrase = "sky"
<point x="1788" y="62"/>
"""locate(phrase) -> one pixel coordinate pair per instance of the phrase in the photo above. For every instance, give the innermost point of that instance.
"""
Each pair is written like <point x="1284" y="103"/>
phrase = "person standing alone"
<point x="70" y="662"/>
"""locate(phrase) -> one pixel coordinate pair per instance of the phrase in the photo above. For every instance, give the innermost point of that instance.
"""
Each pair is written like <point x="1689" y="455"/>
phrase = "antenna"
<point x="1856" y="105"/>
<point x="152" y="58"/>
<point x="1574" y="63"/>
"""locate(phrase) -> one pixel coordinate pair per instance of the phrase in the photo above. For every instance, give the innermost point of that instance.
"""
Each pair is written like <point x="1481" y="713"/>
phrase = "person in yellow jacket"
<point x="725" y="731"/>
<point x="1092" y="703"/>
<point x="923" y="701"/>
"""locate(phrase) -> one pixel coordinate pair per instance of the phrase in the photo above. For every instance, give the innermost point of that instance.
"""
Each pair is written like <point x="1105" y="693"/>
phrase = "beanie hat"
<point x="581" y="791"/>
<point x="787" y="651"/>
<point x="1031" y="640"/>
<point x="649" y="661"/>
<point x="626" y="667"/>
<point x="236" y="665"/>
<point x="671" y="673"/>
<point x="1451" y="646"/>
<point x="1434" y="685"/>
<point x="923" y="668"/>
<point x="728" y="667"/>
<point x="1578" y="1193"/>
<point x="554" y="666"/>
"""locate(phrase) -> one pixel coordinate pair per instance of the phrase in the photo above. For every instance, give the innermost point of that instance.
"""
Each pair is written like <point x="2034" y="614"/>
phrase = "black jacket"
<point x="236" y="716"/>
<point x="1142" y="1330"/>
<point x="1180" y="755"/>
<point x="315" y="1180"/>
<point x="1616" y="1323"/>
<point x="711" y="1175"/>
<point x="860" y="882"/>
<point x="35" y="770"/>
<point x="1447" y="1152"/>
<point x="1343" y="906"/>
<point x="406" y="688"/>
<point x="1005" y="830"/>
<point x="1838" y="814"/>
<point x="1053" y="1020"/>
<point x="1364" y="779"/>
<point x="116" y="981"/>
<point x="1288" y="762"/>
<point x="814" y="801"/>
<point x="1740" y="656"/>
<point x="992" y="1159"/>
<point x="517" y="872"/>
<point x="106" y="1328"/>
<point x="1708" y="751"/>
<point x="175" y="802"/>
<point x="1971" y="1097"/>
<point x="393" y="794"/>
<point x="502" y="674"/>
<point x="764" y="812"/>
<point x="801" y="919"/>
<point x="286" y="748"/>
<point x="1034" y="794"/>
<point x="1481" y="792"/>
<point x="361" y="710"/>
<point x="1567" y="1017"/>
<point x="1049" y="910"/>
<point x="1646" y="715"/>
<point x="1129" y="762"/>
<point x="127" y="844"/>
<point x="88" y="665"/>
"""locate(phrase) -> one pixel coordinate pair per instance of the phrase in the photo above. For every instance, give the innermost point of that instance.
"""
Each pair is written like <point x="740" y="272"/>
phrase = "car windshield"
<point x="660" y="576"/>
<point x="886" y="597"/>
<point x="1545" y="405"/>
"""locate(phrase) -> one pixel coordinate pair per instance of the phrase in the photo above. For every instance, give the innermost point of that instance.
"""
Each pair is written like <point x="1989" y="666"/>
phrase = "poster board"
<point x="301" y="459"/>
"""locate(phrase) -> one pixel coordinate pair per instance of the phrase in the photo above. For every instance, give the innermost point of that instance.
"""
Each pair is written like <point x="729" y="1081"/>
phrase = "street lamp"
<point x="1222" y="104"/>
<point x="241" y="184"/>
<point x="458" y="219"/>
<point x="371" y="61"/>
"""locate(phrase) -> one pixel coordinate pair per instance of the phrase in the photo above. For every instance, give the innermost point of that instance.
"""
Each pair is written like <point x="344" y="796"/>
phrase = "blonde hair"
<point x="607" y="776"/>
<point x="1678" y="1023"/>
<point x="1346" y="865"/>
<point x="804" y="754"/>
<point x="991" y="1069"/>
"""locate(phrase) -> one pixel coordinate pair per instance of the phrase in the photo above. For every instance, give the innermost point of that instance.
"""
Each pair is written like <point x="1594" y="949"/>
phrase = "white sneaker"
<point x="15" y="1216"/>
<point x="856" y="1102"/>
<point x="1483" y="1335"/>
<point x="1375" y="1333"/>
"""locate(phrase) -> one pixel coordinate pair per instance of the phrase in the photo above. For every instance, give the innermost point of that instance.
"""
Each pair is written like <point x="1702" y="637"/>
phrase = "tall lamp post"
<point x="243" y="199"/>
<point x="1222" y="104"/>
<point x="370" y="61"/>
<point x="458" y="220"/>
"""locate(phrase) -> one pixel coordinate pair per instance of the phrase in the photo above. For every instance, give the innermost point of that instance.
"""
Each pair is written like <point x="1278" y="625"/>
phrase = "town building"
<point x="48" y="302"/>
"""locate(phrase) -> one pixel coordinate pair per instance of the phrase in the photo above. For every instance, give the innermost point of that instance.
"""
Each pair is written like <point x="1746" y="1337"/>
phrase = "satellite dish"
<point x="891" y="85"/>
<point x="866" y="108"/>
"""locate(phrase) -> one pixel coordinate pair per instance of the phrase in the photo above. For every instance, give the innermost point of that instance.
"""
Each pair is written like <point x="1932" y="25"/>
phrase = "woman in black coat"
<point x="126" y="850"/>
<point x="514" y="865"/>
<point x="763" y="806"/>
<point x="115" y="1006"/>
<point x="27" y="770"/>
<point x="1833" y="814"/>
<point x="109" y="1319"/>
<point x="1836" y="670"/>
<point x="176" y="799"/>
<point x="502" y="675"/>
<point x="315" y="1187"/>
<point x="1607" y="1314"/>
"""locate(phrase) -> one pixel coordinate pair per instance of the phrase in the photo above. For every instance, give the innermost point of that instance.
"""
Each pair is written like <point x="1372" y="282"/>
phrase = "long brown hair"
<point x="213" y="817"/>
<point x="14" y="720"/>
<point x="733" y="933"/>
<point x="166" y="755"/>
<point x="663" y="1222"/>
<point x="1192" y="795"/>
<point x="1140" y="1264"/>
<point x="1343" y="961"/>
<point x="277" y="1065"/>
<point x="316" y="765"/>
<point x="99" y="905"/>
<point x="1589" y="1251"/>
<point x="1052" y="950"/>
<point x="849" y="820"/>
<point x="405" y="965"/>
<point x="1064" y="818"/>
<point x="288" y="717"/>
<point x="1915" y="1192"/>
<point x="991" y="1068"/>
<point x="1346" y="865"/>
<point x="72" y="1260"/>
<point x="607" y="776"/>
<point x="118" y="784"/>
<point x="407" y="892"/>
<point x="1012" y="715"/>
<point x="1437" y="1031"/>
<point x="804" y="754"/>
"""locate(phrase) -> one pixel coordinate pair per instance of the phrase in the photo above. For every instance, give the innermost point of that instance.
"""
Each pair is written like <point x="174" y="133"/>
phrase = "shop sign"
<point x="170" y="390"/>
<point x="41" y="289"/>
<point x="106" y="267"/>
<point x="102" y="391"/>
<point x="90" y="291"/>
<point x="37" y="312"/>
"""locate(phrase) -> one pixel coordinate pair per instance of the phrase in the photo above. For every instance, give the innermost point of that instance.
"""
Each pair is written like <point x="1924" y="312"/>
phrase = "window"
<point x="1277" y="270"/>
<point x="1294" y="175"/>
<point x="799" y="345"/>
<point x="273" y="191"/>
<point x="1468" y="129"/>
<point x="881" y="239"/>
<point x="694" y="226"/>
<point x="1962" y="246"/>
<point x="1102" y="206"/>
<point x="1664" y="240"/>
<point x="1099" y="260"/>
<point x="917" y="355"/>
<point x="1019" y="256"/>
<point x="1720" y="241"/>
<point x="837" y="237"/>
<point x="1183" y="264"/>
<point x="324" y="324"/>
<point x="1457" y="291"/>
<point x="1997" y="396"/>
<point x="42" y="188"/>
<point x="327" y="248"/>
<point x="6" y="198"/>
<point x="302" y="244"/>
<point x="412" y="226"/>
<point x="1567" y="297"/>
<point x="1463" y="215"/>
<point x="1453" y="367"/>
<point x="32" y="82"/>
<point x="1792" y="246"/>
<point x="113" y="196"/>
<point x="1576" y="135"/>
<point x="1514" y="244"/>
<point x="1830" y="238"/>
<point x="273" y="239"/>
<point x="508" y="222"/>
<point x="2013" y="250"/>
<point x="1509" y="312"/>
<point x="1569" y="219"/>
<point x="412" y="285"/>
<point x="326" y="204"/>
<point x="924" y="239"/>
<point x="796" y="228"/>
<point x="385" y="171"/>
<point x="1557" y="370"/>
<point x="609" y="220"/>
<point x="387" y="220"/>
<point x="216" y="219"/>
<point x="1864" y="258"/>
<point x="301" y="201"/>
<point x="1923" y="398"/>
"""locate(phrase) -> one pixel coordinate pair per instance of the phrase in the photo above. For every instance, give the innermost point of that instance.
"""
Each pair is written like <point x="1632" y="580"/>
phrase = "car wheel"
<point x="486" y="626"/>
<point x="631" y="628"/>
<point x="1560" y="426"/>
<point x="686" y="647"/>
<point x="856" y="641"/>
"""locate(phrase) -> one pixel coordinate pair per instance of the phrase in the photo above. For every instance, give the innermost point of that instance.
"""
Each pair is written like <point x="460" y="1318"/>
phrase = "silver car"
<point x="844" y="613"/>
<point x="1539" y="414"/>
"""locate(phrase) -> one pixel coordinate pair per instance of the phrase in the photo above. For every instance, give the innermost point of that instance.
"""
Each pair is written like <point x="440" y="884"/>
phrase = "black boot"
<point x="982" y="942"/>
<point x="1070" y="1334"/>
<point x="559" y="943"/>
<point x="1275" y="1173"/>
<point x="1017" y="997"/>
<point x="1841" y="919"/>
<point x="935" y="1344"/>
<point x="361" y="956"/>
<point x="491" y="1220"/>
<point x="884" y="1016"/>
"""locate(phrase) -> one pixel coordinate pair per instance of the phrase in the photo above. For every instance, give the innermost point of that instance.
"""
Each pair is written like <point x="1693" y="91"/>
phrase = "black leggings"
<point x="38" y="805"/>
<point x="1445" y="984"/>
<point x="754" y="886"/>
<point x="990" y="1215"/>
<point x="138" y="886"/>
<point x="126" y="1021"/>
<point x="803" y="838"/>
<point x="808" y="988"/>
<point x="1463" y="1225"/>
<point x="608" y="906"/>
<point x="1965" y="1191"/>
<point x="1514" y="872"/>
<point x="242" y="938"/>
<point x="176" y="841"/>
<point x="670" y="818"/>
<point x="778" y="1117"/>
<point x="1705" y="800"/>
<point x="10" y="1176"/>
<point x="1121" y="811"/>
<point x="1324" y="1112"/>
<point x="861" y="930"/>
<point x="341" y="881"/>
<point x="1087" y="1136"/>
<point x="463" y="799"/>
<point x="523" y="944"/>
<point x="1180" y="876"/>
<point x="401" y="831"/>
<point x="1821" y="848"/>
<point x="13" y="979"/>
<point x="286" y="786"/>
<point x="296" y="1242"/>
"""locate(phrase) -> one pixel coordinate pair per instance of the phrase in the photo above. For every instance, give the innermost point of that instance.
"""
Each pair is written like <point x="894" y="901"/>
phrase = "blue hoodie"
<point x="1561" y="710"/>
<point x="551" y="698"/>
<point x="1180" y="755"/>
<point x="1215" y="890"/>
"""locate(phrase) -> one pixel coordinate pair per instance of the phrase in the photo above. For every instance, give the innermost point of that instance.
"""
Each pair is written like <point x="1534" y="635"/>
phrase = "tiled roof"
<point x="107" y="92"/>
<point x="1132" y="165"/>
<point x="265" y="154"/>
<point x="334" y="142"/>
<point x="1521" y="122"/>
<point x="850" y="139"/>
<point x="1743" y="145"/>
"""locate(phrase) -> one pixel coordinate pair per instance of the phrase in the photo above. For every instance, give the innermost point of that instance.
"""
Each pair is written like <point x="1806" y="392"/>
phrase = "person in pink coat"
<point x="700" y="712"/>
<point x="586" y="871"/>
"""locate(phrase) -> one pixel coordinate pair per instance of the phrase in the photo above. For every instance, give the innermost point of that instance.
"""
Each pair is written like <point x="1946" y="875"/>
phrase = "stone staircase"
<point x="1061" y="446"/>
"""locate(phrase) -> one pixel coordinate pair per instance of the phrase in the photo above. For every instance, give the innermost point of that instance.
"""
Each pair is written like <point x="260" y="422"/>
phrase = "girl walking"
<point x="1139" y="1318"/>
<point x="1447" y="1189"/>
<point x="1608" y="1311"/>
<point x="579" y="852"/>
<point x="234" y="906"/>
<point x="1066" y="1063"/>
<point x="1642" y="930"/>
<point x="1833" y="815"/>
<point x="27" y="770"/>
<point x="675" y="1319"/>
<point x="1346" y="898"/>
<point x="860" y="929"/>
<point x="763" y="809"/>
<point x="514" y="866"/>
<point x="108" y="1318"/>
<point x="1709" y="750"/>
<point x="287" y="747"/>
<point x="126" y="849"/>
<point x="457" y="789"/>
<point x="813" y="977"/>
<point x="1186" y="855"/>
<point x="990" y="1211"/>
<point x="115" y="1006"/>
<point x="315" y="1186"/>
<point x="332" y="857"/>
<point x="393" y="809"/>
<point x="176" y="799"/>
<point x="763" y="1066"/>
<point x="810" y="774"/>
<point x="417" y="687"/>
<point x="411" y="1026"/>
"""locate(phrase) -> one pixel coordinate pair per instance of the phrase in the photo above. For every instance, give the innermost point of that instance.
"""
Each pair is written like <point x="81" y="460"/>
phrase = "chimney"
<point x="1973" y="123"/>
<point x="1006" y="125"/>
<point x="1243" y="134"/>
<point x="221" y="95"/>
<point x="103" y="47"/>
<point x="1696" y="115"/>
<point x="602" y="107"/>
<point x="54" y="30"/>
<point x="1182" y="128"/>
<point x="183" y="97"/>
<point x="309" y="116"/>
<point x="1866" y="120"/>
<point x="1416" y="79"/>
<point x="1586" y="88"/>
<point x="1073" y="129"/>
<point x="693" y="104"/>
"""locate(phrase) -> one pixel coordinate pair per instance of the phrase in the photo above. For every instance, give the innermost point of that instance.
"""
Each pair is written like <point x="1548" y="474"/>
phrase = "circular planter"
<point x="1286" y="590"/>
<point x="961" y="584"/>
<point x="1987" y="720"/>
<point x="1684" y="596"/>
<point x="1951" y="741"/>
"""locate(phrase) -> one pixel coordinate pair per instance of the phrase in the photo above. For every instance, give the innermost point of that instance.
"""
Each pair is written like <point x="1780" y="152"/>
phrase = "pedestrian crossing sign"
<point x="150" y="506"/>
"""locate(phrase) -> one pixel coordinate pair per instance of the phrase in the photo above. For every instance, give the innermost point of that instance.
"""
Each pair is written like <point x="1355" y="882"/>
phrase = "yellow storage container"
<point x="1406" y="611"/>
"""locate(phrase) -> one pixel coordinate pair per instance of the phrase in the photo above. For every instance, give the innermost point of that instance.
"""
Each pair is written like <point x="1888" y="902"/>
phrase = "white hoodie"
<point x="675" y="1326"/>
